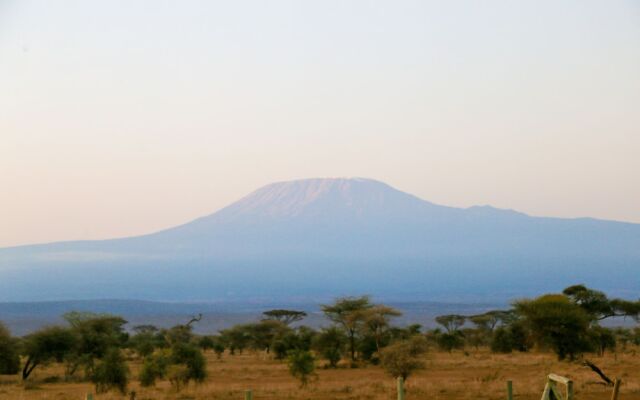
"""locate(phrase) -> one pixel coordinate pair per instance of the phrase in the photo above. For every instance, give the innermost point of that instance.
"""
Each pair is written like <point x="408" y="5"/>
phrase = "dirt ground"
<point x="475" y="375"/>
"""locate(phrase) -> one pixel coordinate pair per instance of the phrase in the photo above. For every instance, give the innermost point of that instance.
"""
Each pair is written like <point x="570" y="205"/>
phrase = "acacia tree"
<point x="452" y="338"/>
<point x="348" y="313"/>
<point x="488" y="321"/>
<point x="53" y="343"/>
<point x="262" y="334"/>
<point x="451" y="322"/>
<point x="287" y="317"/>
<point x="598" y="306"/>
<point x="236" y="338"/>
<point x="97" y="335"/>
<point x="485" y="331"/>
<point x="557" y="322"/>
<point x="376" y="321"/>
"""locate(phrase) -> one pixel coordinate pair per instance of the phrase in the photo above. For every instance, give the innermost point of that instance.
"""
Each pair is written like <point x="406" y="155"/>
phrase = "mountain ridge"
<point x="332" y="236"/>
<point x="474" y="208"/>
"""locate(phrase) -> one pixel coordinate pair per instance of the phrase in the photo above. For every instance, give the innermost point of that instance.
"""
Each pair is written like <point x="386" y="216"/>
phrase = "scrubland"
<point x="458" y="375"/>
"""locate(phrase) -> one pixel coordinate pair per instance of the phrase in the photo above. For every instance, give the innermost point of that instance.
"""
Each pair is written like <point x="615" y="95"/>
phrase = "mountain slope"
<point x="323" y="237"/>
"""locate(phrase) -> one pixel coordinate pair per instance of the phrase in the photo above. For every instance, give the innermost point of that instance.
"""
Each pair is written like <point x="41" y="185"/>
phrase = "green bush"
<point x="450" y="340"/>
<point x="218" y="348"/>
<point x="501" y="341"/>
<point x="153" y="368"/>
<point x="301" y="365"/>
<point x="331" y="344"/>
<point x="403" y="358"/>
<point x="206" y="343"/>
<point x="191" y="357"/>
<point x="298" y="339"/>
<point x="178" y="376"/>
<point x="111" y="373"/>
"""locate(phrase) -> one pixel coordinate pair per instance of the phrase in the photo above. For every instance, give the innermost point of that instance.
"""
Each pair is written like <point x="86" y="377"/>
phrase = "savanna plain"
<point x="469" y="374"/>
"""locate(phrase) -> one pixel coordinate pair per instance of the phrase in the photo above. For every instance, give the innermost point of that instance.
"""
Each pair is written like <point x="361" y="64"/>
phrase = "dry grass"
<point x="479" y="375"/>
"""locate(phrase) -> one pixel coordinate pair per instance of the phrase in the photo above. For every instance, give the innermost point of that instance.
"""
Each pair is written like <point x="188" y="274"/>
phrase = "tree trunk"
<point x="28" y="368"/>
<point x="352" y="344"/>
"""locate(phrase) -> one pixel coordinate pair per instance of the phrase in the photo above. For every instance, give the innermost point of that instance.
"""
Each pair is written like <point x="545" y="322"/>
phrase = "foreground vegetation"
<point x="278" y="354"/>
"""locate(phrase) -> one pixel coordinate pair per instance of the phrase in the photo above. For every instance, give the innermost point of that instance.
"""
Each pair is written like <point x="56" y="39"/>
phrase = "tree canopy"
<point x="287" y="317"/>
<point x="598" y="306"/>
<point x="348" y="312"/>
<point x="557" y="322"/>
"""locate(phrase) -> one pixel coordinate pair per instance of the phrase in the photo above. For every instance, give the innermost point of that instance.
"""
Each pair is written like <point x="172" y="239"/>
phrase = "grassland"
<point x="475" y="375"/>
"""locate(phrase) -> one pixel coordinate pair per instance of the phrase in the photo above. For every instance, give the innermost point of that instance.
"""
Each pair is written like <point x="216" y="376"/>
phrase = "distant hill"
<point x="311" y="239"/>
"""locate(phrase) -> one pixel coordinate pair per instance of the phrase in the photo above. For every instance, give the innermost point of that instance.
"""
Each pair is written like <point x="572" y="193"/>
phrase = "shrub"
<point x="112" y="372"/>
<point x="181" y="364"/>
<point x="178" y="376"/>
<point x="153" y="368"/>
<point x="401" y="359"/>
<point x="191" y="357"/>
<point x="450" y="340"/>
<point x="301" y="365"/>
<point x="206" y="343"/>
<point x="218" y="348"/>
<point x="143" y="344"/>
<point x="298" y="339"/>
<point x="331" y="344"/>
<point x="501" y="341"/>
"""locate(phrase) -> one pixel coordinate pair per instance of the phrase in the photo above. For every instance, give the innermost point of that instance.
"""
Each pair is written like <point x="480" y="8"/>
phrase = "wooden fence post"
<point x="545" y="392"/>
<point x="89" y="396"/>
<point x="509" y="390"/>
<point x="400" y="388"/>
<point x="616" y="388"/>
<point x="551" y="388"/>
<point x="248" y="395"/>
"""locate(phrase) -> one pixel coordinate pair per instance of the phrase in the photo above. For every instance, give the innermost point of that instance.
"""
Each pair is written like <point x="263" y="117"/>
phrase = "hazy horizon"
<point x="119" y="119"/>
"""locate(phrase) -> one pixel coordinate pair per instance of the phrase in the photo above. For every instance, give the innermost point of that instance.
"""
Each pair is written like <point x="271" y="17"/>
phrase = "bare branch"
<point x="194" y="319"/>
<point x="598" y="371"/>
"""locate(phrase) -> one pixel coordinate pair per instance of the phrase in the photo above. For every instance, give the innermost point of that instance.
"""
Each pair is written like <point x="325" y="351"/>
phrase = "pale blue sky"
<point x="124" y="117"/>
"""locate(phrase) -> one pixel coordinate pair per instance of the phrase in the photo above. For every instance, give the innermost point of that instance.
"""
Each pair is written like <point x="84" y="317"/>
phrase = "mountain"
<point x="318" y="238"/>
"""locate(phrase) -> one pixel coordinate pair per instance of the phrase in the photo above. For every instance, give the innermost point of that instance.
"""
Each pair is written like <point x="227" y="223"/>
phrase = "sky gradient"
<point x="120" y="118"/>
